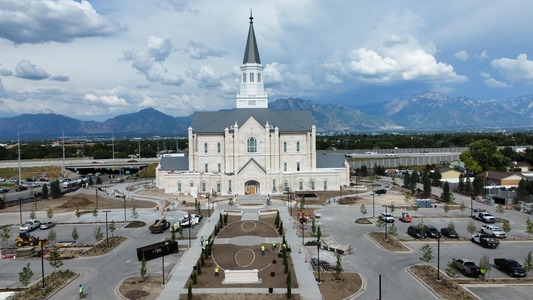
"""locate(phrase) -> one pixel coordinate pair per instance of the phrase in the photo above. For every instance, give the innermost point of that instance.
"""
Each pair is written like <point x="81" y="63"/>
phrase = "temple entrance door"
<point x="251" y="187"/>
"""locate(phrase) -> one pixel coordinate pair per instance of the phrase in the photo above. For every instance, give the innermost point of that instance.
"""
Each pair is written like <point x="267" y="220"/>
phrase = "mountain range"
<point x="427" y="111"/>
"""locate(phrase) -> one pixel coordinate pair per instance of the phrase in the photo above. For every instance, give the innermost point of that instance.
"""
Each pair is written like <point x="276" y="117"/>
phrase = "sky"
<point x="93" y="60"/>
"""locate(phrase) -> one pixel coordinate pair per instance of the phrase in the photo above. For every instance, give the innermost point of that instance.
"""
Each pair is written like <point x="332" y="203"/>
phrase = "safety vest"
<point x="216" y="269"/>
<point x="263" y="248"/>
<point x="81" y="289"/>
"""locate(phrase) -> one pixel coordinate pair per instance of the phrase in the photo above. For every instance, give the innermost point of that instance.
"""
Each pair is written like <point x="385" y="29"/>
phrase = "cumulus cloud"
<point x="27" y="70"/>
<point x="3" y="93"/>
<point x="110" y="100"/>
<point x="4" y="72"/>
<point x="206" y="77"/>
<point x="149" y="61"/>
<point x="462" y="55"/>
<point x="493" y="83"/>
<point x="198" y="50"/>
<point x="273" y="73"/>
<point x="41" y="21"/>
<point x="61" y="78"/>
<point x="519" y="69"/>
<point x="483" y="54"/>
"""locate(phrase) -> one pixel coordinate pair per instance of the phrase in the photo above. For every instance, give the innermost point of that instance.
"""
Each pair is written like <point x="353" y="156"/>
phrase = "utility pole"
<point x="20" y="173"/>
<point x="113" y="144"/>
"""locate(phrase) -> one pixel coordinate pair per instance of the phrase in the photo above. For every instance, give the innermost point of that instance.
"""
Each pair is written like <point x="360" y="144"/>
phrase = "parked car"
<point x="485" y="217"/>
<point x="47" y="225"/>
<point x="510" y="266"/>
<point x="467" y="267"/>
<point x="415" y="232"/>
<point x="485" y="240"/>
<point x="388" y="218"/>
<point x="493" y="230"/>
<point x="4" y="189"/>
<point x="21" y="188"/>
<point x="432" y="232"/>
<point x="2" y="180"/>
<point x="35" y="184"/>
<point x="406" y="217"/>
<point x="30" y="225"/>
<point x="380" y="191"/>
<point x="449" y="233"/>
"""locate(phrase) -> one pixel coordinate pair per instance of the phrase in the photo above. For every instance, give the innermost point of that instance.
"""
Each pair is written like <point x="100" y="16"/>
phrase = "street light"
<point x="20" y="209"/>
<point x="303" y="229"/>
<point x="438" y="258"/>
<point x="124" y="197"/>
<point x="373" y="204"/>
<point x="189" y="230"/>
<point x="163" y="264"/>
<point x="386" y="239"/>
<point x="96" y="197"/>
<point x="340" y="192"/>
<point x="42" y="262"/>
<point x="471" y="204"/>
<point x="106" y="228"/>
<point x="318" y="249"/>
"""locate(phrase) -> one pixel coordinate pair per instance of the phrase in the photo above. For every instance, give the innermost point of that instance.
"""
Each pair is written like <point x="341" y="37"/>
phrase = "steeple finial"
<point x="251" y="17"/>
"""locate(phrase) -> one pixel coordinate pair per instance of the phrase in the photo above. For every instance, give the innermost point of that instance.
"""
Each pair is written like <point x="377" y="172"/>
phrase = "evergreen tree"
<point x="427" y="254"/>
<point x="413" y="181"/>
<point x="55" y="189"/>
<point x="522" y="190"/>
<point x="112" y="227"/>
<point x="426" y="181"/>
<point x="26" y="275"/>
<point x="143" y="268"/>
<point x="289" y="283"/>
<point x="477" y="185"/>
<point x="3" y="201"/>
<point x="55" y="260"/>
<point x="461" y="184"/>
<point x="406" y="180"/>
<point x="98" y="235"/>
<point x="44" y="192"/>
<point x="468" y="186"/>
<point x="75" y="235"/>
<point x="338" y="266"/>
<point x="437" y="176"/>
<point x="446" y="196"/>
<point x="528" y="263"/>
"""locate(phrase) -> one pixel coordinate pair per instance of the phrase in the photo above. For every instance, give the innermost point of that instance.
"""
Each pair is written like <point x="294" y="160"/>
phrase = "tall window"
<point x="297" y="146"/>
<point x="229" y="186"/>
<point x="218" y="147"/>
<point x="252" y="145"/>
<point x="301" y="185"/>
<point x="286" y="185"/>
<point x="191" y="184"/>
<point x="297" y="166"/>
<point x="313" y="184"/>
<point x="258" y="77"/>
<point x="179" y="186"/>
<point x="219" y="168"/>
<point x="284" y="146"/>
<point x="273" y="185"/>
<point x="204" y="186"/>
<point x="206" y="168"/>
<point x="205" y="147"/>
<point x="219" y="186"/>
<point x="325" y="185"/>
<point x="243" y="77"/>
<point x="251" y="77"/>
<point x="285" y="167"/>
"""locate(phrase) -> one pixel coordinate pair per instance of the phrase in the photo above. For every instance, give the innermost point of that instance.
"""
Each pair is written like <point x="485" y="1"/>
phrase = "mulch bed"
<point x="333" y="289"/>
<point x="363" y="221"/>
<point x="390" y="245"/>
<point x="103" y="248"/>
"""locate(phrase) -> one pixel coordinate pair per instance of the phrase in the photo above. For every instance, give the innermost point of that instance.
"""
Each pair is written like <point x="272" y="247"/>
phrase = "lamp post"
<point x="318" y="267"/>
<point x="340" y="192"/>
<point x="438" y="258"/>
<point x="303" y="229"/>
<point x="124" y="197"/>
<point x="20" y="209"/>
<point x="96" y="197"/>
<point x="471" y="204"/>
<point x="386" y="225"/>
<point x="42" y="262"/>
<point x="373" y="204"/>
<point x="106" y="228"/>
<point x="189" y="230"/>
<point x="163" y="266"/>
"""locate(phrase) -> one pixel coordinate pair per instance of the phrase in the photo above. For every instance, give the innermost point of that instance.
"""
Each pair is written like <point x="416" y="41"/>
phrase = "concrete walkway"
<point x="308" y="287"/>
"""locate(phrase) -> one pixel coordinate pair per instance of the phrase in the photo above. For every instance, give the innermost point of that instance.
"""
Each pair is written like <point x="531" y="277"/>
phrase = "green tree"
<point x="500" y="209"/>
<point x="407" y="197"/>
<point x="413" y="180"/>
<point x="392" y="207"/>
<point x="446" y="196"/>
<point x="55" y="259"/>
<point x="143" y="268"/>
<point x="484" y="263"/>
<point x="483" y="155"/>
<point x="451" y="226"/>
<point x="134" y="213"/>
<point x="468" y="186"/>
<point x="478" y="185"/>
<point x="5" y="234"/>
<point x="32" y="214"/>
<point x="393" y="231"/>
<point x="529" y="226"/>
<point x="95" y="212"/>
<point x="363" y="210"/>
<point x="189" y="292"/>
<point x="462" y="207"/>
<point x="426" y="181"/>
<point x="437" y="176"/>
<point x="302" y="203"/>
<point x="112" y="227"/>
<point x="44" y="192"/>
<point x="74" y="234"/>
<point x="55" y="189"/>
<point x="446" y="208"/>
<point x="451" y="270"/>
<point x="427" y="254"/>
<point x="471" y="227"/>
<point x="422" y="226"/>
<point x="506" y="226"/>
<point x="528" y="263"/>
<point x="522" y="192"/>
<point x="406" y="180"/>
<point x="288" y="281"/>
<point x="313" y="225"/>
<point x="26" y="275"/>
<point x="318" y="232"/>
<point x="52" y="236"/>
<point x="98" y="235"/>
<point x="338" y="266"/>
<point x="3" y="201"/>
<point x="50" y="213"/>
<point x="380" y="223"/>
<point x="461" y="183"/>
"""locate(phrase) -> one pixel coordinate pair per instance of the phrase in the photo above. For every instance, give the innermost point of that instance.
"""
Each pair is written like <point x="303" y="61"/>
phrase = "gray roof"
<point x="251" y="53"/>
<point x="286" y="121"/>
<point x="180" y="163"/>
<point x="330" y="160"/>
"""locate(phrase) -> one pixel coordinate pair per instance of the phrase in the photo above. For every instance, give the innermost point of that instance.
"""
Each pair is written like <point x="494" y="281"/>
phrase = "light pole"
<point x="20" y="209"/>
<point x="42" y="262"/>
<point x="124" y="197"/>
<point x="303" y="229"/>
<point x="106" y="228"/>
<point x="96" y="197"/>
<point x="163" y="266"/>
<point x="340" y="192"/>
<point x="189" y="230"/>
<point x="318" y="249"/>
<point x="438" y="258"/>
<point x="386" y="225"/>
<point x="373" y="204"/>
<point x="471" y="205"/>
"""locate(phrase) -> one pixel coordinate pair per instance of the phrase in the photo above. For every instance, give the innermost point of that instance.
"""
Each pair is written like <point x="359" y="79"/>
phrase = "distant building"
<point x="252" y="149"/>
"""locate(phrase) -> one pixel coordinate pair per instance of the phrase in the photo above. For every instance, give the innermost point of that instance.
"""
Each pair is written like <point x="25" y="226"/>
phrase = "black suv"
<point x="432" y="232"/>
<point x="450" y="233"/>
<point x="415" y="232"/>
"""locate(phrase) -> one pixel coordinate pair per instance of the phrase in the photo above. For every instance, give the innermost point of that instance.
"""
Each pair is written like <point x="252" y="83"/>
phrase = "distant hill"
<point x="422" y="112"/>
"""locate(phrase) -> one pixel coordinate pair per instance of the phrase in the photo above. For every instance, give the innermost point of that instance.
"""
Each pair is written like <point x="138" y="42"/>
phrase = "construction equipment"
<point x="25" y="238"/>
<point x="159" y="226"/>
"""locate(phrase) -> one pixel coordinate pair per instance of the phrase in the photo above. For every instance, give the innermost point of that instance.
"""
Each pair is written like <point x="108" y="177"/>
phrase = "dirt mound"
<point x="75" y="202"/>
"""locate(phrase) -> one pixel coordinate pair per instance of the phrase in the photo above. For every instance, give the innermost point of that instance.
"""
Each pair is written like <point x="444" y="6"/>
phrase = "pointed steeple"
<point x="252" y="93"/>
<point x="251" y="53"/>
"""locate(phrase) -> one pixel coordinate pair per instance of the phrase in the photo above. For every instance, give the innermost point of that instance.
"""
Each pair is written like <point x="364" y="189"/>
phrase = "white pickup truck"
<point x="30" y="225"/>
<point x="485" y="217"/>
<point x="493" y="230"/>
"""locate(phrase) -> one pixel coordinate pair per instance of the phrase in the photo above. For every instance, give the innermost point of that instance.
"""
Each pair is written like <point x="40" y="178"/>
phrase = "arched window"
<point x="286" y="185"/>
<point x="313" y="184"/>
<point x="301" y="185"/>
<point x="204" y="186"/>
<point x="219" y="186"/>
<point x="243" y="77"/>
<point x="325" y="184"/>
<point x="252" y="145"/>
<point x="258" y="77"/>
<point x="251" y="77"/>
<point x="179" y="186"/>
